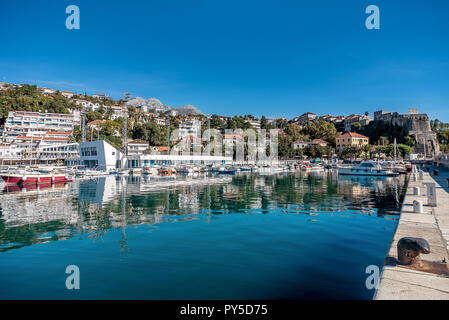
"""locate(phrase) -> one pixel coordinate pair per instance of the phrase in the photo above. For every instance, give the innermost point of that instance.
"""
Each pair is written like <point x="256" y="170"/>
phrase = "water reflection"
<point x="94" y="206"/>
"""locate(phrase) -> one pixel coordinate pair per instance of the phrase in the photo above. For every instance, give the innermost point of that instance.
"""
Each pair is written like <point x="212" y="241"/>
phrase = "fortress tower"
<point x="417" y="125"/>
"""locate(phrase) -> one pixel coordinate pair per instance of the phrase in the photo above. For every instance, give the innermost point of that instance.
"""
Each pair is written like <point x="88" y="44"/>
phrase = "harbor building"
<point x="100" y="154"/>
<point x="351" y="139"/>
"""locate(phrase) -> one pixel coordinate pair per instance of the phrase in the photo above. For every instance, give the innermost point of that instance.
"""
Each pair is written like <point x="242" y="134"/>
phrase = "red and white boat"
<point x="33" y="178"/>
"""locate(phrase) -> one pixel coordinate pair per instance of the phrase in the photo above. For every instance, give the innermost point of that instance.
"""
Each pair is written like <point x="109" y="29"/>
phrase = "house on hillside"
<point x="67" y="94"/>
<point x="351" y="139"/>
<point x="137" y="147"/>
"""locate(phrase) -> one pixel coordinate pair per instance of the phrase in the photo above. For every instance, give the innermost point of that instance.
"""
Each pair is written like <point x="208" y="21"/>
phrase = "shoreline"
<point x="400" y="283"/>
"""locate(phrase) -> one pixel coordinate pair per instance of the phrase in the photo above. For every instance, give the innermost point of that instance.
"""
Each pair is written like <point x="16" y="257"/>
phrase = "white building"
<point x="47" y="91"/>
<point x="100" y="96"/>
<point x="189" y="127"/>
<point x="87" y="105"/>
<point x="67" y="94"/>
<point x="23" y="125"/>
<point x="100" y="154"/>
<point x="137" y="147"/>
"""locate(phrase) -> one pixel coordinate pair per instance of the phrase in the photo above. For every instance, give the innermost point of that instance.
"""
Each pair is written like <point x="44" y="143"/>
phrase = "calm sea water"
<point x="286" y="236"/>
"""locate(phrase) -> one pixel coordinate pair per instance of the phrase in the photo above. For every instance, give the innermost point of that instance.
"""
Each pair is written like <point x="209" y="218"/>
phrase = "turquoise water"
<point x="286" y="236"/>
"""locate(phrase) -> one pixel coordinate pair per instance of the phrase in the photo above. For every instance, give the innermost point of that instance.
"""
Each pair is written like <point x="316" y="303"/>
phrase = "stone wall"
<point x="417" y="125"/>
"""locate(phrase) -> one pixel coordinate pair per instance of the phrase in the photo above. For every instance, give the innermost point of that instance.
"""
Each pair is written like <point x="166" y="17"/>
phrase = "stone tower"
<point x="417" y="125"/>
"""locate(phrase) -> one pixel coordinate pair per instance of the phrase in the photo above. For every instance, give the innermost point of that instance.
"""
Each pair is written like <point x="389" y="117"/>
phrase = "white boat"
<point x="316" y="168"/>
<point x="366" y="168"/>
<point x="136" y="171"/>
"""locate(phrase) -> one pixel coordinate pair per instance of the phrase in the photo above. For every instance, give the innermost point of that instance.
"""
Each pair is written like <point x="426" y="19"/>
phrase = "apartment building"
<point x="23" y="125"/>
<point x="189" y="127"/>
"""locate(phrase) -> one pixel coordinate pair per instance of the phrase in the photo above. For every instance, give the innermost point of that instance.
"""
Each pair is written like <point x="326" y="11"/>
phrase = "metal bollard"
<point x="414" y="177"/>
<point x="431" y="194"/>
<point x="409" y="250"/>
<point x="417" y="206"/>
<point x="416" y="191"/>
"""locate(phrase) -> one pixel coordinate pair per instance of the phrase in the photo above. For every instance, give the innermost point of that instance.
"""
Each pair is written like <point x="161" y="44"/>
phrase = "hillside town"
<point x="48" y="126"/>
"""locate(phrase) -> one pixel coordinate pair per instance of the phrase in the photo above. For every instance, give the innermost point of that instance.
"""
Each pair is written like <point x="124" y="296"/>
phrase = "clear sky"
<point x="277" y="58"/>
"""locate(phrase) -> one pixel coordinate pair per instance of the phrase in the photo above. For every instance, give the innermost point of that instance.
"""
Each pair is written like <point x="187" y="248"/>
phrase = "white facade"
<point x="23" y="125"/>
<point x="93" y="106"/>
<point x="47" y="91"/>
<point x="137" y="147"/>
<point x="99" y="154"/>
<point x="67" y="94"/>
<point x="191" y="127"/>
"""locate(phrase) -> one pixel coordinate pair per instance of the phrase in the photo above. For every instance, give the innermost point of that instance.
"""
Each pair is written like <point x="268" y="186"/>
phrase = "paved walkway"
<point x="398" y="282"/>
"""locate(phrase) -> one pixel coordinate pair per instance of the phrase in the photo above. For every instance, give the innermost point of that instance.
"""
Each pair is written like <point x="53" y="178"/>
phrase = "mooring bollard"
<point x="416" y="191"/>
<point x="409" y="250"/>
<point x="417" y="206"/>
<point x="431" y="194"/>
<point x="414" y="177"/>
<point x="421" y="175"/>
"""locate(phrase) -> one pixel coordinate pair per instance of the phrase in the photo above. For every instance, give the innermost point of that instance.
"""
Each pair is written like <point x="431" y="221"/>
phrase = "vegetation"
<point x="29" y="98"/>
<point x="380" y="132"/>
<point x="442" y="131"/>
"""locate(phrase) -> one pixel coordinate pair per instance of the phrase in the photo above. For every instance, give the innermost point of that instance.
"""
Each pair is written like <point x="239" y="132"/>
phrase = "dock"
<point x="400" y="282"/>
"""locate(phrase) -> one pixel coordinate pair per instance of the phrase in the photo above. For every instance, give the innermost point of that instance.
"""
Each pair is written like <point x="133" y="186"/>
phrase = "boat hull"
<point x="34" y="179"/>
<point x="366" y="172"/>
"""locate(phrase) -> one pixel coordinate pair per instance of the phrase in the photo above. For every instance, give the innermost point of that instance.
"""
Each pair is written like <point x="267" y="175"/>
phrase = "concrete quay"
<point x="431" y="282"/>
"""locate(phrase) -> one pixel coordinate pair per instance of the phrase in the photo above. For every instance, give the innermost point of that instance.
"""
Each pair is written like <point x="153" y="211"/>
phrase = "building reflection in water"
<point x="94" y="206"/>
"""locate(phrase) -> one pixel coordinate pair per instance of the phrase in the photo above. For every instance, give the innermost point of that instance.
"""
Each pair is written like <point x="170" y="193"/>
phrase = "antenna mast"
<point x="125" y="131"/>
<point x="83" y="125"/>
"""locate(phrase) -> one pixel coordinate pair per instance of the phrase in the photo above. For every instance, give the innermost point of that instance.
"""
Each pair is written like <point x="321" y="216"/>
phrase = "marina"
<point x="196" y="230"/>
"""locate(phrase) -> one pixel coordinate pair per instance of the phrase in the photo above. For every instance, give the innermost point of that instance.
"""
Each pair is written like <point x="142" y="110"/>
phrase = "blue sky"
<point x="277" y="58"/>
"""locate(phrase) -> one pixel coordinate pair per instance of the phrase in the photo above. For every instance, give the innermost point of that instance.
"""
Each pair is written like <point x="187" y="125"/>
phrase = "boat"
<point x="224" y="170"/>
<point x="367" y="168"/>
<point x="166" y="171"/>
<point x="395" y="166"/>
<point x="136" y="171"/>
<point x="146" y="171"/>
<point x="123" y="171"/>
<point x="24" y="177"/>
<point x="316" y="168"/>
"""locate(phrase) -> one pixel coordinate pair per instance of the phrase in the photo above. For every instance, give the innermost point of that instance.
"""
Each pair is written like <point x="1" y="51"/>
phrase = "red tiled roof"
<point x="138" y="141"/>
<point x="42" y="138"/>
<point x="95" y="122"/>
<point x="67" y="133"/>
<point x="319" y="141"/>
<point x="352" y="135"/>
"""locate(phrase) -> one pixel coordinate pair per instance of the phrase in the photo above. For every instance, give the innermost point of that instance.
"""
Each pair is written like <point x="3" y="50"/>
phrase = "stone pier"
<point x="430" y="282"/>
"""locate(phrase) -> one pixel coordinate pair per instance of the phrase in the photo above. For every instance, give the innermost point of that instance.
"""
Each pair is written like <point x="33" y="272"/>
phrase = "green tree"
<point x="321" y="130"/>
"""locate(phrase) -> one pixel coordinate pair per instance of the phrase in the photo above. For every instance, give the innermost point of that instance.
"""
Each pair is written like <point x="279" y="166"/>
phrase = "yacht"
<point x="367" y="168"/>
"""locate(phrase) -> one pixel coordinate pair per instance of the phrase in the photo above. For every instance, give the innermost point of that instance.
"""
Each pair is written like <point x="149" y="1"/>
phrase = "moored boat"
<point x="224" y="170"/>
<point x="33" y="178"/>
<point x="367" y="168"/>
